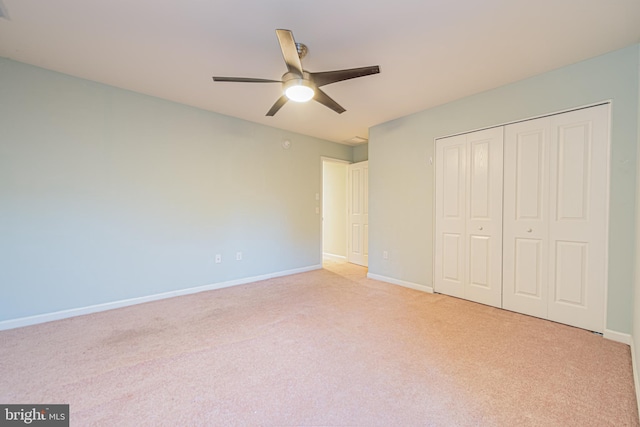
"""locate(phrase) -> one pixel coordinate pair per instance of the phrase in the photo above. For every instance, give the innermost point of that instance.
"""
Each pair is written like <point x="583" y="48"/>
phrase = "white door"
<point x="484" y="217"/>
<point x="555" y="227"/>
<point x="358" y="196"/>
<point x="468" y="260"/>
<point x="451" y="178"/>
<point x="526" y="217"/>
<point x="579" y="152"/>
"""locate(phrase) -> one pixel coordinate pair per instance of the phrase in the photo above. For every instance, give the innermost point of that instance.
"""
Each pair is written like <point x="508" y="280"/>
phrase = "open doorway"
<point x="345" y="224"/>
<point x="334" y="209"/>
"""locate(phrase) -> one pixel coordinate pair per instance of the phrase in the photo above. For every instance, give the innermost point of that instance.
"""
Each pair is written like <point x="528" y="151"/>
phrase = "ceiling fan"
<point x="300" y="85"/>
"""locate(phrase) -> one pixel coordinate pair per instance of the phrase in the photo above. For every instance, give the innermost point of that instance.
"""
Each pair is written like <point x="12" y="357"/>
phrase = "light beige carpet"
<point x="324" y="348"/>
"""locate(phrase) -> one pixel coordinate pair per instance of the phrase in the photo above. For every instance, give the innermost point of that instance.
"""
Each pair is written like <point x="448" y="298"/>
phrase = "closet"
<point x="521" y="216"/>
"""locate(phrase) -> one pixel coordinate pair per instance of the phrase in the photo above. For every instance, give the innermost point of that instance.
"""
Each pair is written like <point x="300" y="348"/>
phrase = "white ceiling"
<point x="430" y="51"/>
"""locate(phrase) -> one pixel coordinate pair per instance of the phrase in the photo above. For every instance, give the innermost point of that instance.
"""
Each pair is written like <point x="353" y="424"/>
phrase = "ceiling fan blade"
<point x="279" y="103"/>
<point x="244" y="80"/>
<point x="289" y="51"/>
<point x="325" y="100"/>
<point x="327" y="77"/>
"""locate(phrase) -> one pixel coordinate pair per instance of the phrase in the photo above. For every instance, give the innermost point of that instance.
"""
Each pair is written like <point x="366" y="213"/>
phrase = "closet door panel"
<point x="480" y="261"/>
<point x="484" y="217"/>
<point x="525" y="257"/>
<point x="528" y="270"/>
<point x="571" y="273"/>
<point x="451" y="176"/>
<point x="578" y="201"/>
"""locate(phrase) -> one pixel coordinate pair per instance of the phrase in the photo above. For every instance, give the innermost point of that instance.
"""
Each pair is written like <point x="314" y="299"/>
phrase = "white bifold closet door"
<point x="555" y="216"/>
<point x="468" y="260"/>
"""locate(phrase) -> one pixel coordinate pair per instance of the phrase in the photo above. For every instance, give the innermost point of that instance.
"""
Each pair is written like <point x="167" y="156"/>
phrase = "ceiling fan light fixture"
<point x="299" y="90"/>
<point x="297" y="84"/>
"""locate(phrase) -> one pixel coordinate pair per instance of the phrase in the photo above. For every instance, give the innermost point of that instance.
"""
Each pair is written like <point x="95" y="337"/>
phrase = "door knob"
<point x="529" y="230"/>
<point x="480" y="228"/>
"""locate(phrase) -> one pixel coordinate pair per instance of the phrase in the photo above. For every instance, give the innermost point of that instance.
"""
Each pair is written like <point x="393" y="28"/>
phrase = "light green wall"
<point x="107" y="194"/>
<point x="360" y="153"/>
<point x="401" y="177"/>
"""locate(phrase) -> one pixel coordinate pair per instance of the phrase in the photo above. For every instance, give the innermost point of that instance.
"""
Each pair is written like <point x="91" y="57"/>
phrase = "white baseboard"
<point x="411" y="285"/>
<point x="64" y="314"/>
<point x="634" y="362"/>
<point x="617" y="336"/>
<point x="334" y="257"/>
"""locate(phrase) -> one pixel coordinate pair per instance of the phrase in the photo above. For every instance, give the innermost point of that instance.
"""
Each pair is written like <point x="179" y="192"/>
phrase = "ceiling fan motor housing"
<point x="302" y="50"/>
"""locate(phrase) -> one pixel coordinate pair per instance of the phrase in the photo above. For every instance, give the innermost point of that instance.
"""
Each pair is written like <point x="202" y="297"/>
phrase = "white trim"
<point x="607" y="219"/>
<point x="617" y="336"/>
<point x="64" y="314"/>
<point x="334" y="257"/>
<point x="636" y="382"/>
<point x="410" y="285"/>
<point x="555" y="113"/>
<point x="334" y="160"/>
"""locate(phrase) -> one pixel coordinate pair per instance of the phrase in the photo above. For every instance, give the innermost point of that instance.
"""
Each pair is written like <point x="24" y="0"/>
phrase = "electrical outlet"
<point x="238" y="256"/>
<point x="385" y="255"/>
<point x="218" y="258"/>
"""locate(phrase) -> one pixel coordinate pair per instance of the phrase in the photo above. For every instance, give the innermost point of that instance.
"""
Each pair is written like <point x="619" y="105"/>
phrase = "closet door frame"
<point x="607" y="196"/>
